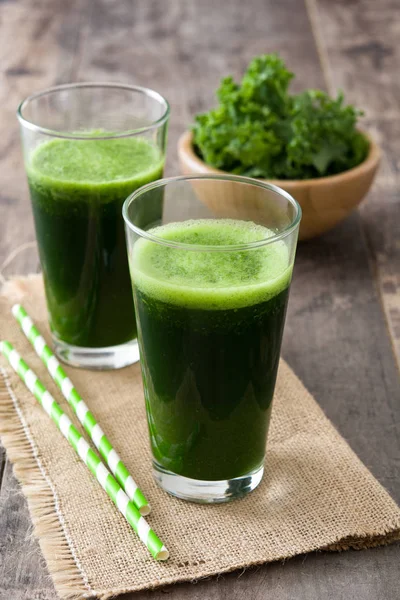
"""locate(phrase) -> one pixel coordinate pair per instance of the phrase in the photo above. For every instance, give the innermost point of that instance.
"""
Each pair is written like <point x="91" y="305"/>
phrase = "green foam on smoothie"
<point x="95" y="161"/>
<point x="94" y="164"/>
<point x="211" y="280"/>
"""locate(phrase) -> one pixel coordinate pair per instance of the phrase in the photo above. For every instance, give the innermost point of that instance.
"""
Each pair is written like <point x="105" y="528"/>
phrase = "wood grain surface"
<point x="361" y="43"/>
<point x="343" y="328"/>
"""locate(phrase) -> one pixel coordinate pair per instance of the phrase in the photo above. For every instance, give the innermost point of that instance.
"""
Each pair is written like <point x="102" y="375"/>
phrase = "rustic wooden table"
<point x="343" y="329"/>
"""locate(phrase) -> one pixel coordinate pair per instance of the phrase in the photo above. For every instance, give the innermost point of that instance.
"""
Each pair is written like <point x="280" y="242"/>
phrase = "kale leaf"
<point x="260" y="130"/>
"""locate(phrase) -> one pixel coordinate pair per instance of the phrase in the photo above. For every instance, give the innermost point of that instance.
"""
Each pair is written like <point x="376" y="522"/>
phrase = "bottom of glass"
<point x="206" y="492"/>
<point x="112" y="357"/>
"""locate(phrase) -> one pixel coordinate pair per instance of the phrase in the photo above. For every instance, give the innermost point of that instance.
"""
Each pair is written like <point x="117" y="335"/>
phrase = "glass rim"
<point x="290" y="228"/>
<point x="87" y="84"/>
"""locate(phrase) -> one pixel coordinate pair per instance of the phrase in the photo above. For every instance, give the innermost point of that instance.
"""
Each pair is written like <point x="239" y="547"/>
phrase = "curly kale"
<point x="260" y="130"/>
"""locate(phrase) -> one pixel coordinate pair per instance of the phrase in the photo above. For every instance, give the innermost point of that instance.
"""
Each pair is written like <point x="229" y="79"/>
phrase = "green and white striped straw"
<point x="81" y="410"/>
<point x="85" y="452"/>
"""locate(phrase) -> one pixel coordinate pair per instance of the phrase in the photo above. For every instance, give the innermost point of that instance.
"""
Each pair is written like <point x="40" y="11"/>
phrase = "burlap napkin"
<point x="315" y="492"/>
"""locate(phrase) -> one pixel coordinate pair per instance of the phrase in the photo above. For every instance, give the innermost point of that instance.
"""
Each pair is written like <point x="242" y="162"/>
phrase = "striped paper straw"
<point x="85" y="452"/>
<point x="81" y="410"/>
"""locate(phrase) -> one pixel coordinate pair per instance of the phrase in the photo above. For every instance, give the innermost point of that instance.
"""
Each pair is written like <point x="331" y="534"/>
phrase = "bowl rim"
<point x="372" y="159"/>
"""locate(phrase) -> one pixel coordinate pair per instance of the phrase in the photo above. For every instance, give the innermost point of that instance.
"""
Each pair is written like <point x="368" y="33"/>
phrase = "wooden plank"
<point x="360" y="45"/>
<point x="352" y="575"/>
<point x="23" y="572"/>
<point x="336" y="341"/>
<point x="380" y="218"/>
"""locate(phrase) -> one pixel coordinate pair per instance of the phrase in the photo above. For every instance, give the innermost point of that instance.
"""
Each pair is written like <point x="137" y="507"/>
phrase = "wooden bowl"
<point x="325" y="201"/>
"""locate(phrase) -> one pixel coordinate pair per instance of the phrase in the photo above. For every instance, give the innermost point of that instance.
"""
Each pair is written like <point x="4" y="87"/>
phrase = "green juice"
<point x="210" y="326"/>
<point x="77" y="189"/>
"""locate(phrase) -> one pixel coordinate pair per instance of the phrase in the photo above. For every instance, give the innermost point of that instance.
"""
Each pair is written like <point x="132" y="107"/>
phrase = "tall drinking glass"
<point x="210" y="282"/>
<point x="87" y="146"/>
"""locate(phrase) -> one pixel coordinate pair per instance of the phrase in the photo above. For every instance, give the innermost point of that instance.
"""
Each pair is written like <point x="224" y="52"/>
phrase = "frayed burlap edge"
<point x="366" y="541"/>
<point x="43" y="501"/>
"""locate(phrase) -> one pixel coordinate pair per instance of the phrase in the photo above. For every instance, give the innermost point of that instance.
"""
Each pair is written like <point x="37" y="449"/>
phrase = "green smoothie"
<point x="77" y="189"/>
<point x="210" y="326"/>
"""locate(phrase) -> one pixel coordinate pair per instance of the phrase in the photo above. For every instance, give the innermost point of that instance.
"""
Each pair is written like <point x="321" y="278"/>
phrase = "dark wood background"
<point x="343" y="329"/>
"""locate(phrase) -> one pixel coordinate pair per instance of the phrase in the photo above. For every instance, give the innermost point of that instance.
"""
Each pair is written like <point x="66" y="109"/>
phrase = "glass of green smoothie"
<point x="87" y="146"/>
<point x="210" y="282"/>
